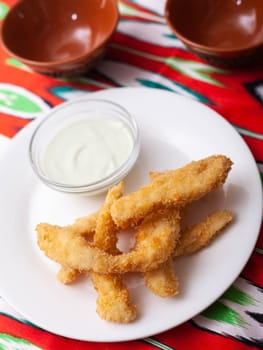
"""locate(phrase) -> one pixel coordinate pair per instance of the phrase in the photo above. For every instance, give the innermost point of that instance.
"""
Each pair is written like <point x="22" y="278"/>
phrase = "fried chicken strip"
<point x="162" y="281"/>
<point x="171" y="188"/>
<point x="67" y="274"/>
<point x="198" y="236"/>
<point x="155" y="243"/>
<point x="85" y="227"/>
<point x="113" y="301"/>
<point x="105" y="236"/>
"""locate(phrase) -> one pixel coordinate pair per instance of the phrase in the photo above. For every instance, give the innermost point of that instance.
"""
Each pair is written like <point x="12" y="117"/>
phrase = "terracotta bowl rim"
<point x="57" y="63"/>
<point x="213" y="50"/>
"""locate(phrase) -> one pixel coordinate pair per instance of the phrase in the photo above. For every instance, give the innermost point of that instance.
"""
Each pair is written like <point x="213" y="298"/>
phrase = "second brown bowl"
<point x="224" y="32"/>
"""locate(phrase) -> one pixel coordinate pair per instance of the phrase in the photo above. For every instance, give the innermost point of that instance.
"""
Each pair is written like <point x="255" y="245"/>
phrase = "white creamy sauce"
<point x="87" y="151"/>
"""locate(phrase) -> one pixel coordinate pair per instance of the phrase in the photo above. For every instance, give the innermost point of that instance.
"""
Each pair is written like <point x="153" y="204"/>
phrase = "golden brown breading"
<point x="171" y="188"/>
<point x="105" y="236"/>
<point x="67" y="275"/>
<point x="113" y="301"/>
<point x="162" y="281"/>
<point x="197" y="236"/>
<point x="155" y="243"/>
<point x="154" y="213"/>
<point x="85" y="227"/>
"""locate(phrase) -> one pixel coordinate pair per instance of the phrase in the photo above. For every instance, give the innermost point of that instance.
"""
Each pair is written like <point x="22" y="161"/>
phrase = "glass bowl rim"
<point x="105" y="182"/>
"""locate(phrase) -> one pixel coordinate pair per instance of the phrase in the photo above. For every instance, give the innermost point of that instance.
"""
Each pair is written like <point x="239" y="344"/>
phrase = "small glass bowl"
<point x="68" y="114"/>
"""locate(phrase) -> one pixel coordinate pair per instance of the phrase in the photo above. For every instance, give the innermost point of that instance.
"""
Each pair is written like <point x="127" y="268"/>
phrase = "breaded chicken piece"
<point x="67" y="274"/>
<point x="85" y="227"/>
<point x="154" y="244"/>
<point x="113" y="301"/>
<point x="171" y="188"/>
<point x="197" y="236"/>
<point x="155" y="230"/>
<point x="162" y="281"/>
<point x="105" y="236"/>
<point x="89" y="245"/>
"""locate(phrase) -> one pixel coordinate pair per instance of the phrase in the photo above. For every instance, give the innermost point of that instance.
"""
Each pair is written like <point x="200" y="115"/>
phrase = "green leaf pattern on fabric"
<point x="20" y="102"/>
<point x="238" y="296"/>
<point x="233" y="313"/>
<point x="222" y="313"/>
<point x="3" y="10"/>
<point x="156" y="85"/>
<point x="7" y="342"/>
<point x="16" y="63"/>
<point x="17" y="102"/>
<point x="127" y="10"/>
<point x="194" y="70"/>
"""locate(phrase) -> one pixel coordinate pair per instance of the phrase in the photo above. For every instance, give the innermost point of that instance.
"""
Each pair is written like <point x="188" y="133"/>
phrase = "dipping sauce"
<point x="87" y="151"/>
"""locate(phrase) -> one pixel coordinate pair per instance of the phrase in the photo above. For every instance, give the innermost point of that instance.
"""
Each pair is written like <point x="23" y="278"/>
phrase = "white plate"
<point x="174" y="131"/>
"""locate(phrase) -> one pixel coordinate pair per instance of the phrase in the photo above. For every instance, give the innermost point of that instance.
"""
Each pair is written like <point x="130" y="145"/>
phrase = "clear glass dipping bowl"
<point x="71" y="112"/>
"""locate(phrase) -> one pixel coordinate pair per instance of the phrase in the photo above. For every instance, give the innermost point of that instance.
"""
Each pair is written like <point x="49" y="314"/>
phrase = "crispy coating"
<point x="162" y="281"/>
<point x="154" y="174"/>
<point x="67" y="274"/>
<point x="89" y="245"/>
<point x="113" y="301"/>
<point x="62" y="245"/>
<point x="155" y="243"/>
<point x="156" y="231"/>
<point x="197" y="236"/>
<point x="85" y="227"/>
<point x="105" y="236"/>
<point x="171" y="188"/>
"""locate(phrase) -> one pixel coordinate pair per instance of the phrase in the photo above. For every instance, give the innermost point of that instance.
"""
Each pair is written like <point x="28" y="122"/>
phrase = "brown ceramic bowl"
<point x="224" y="32"/>
<point x="61" y="37"/>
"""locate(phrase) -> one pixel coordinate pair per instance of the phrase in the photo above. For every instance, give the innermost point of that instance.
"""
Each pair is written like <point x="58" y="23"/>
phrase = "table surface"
<point x="144" y="53"/>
